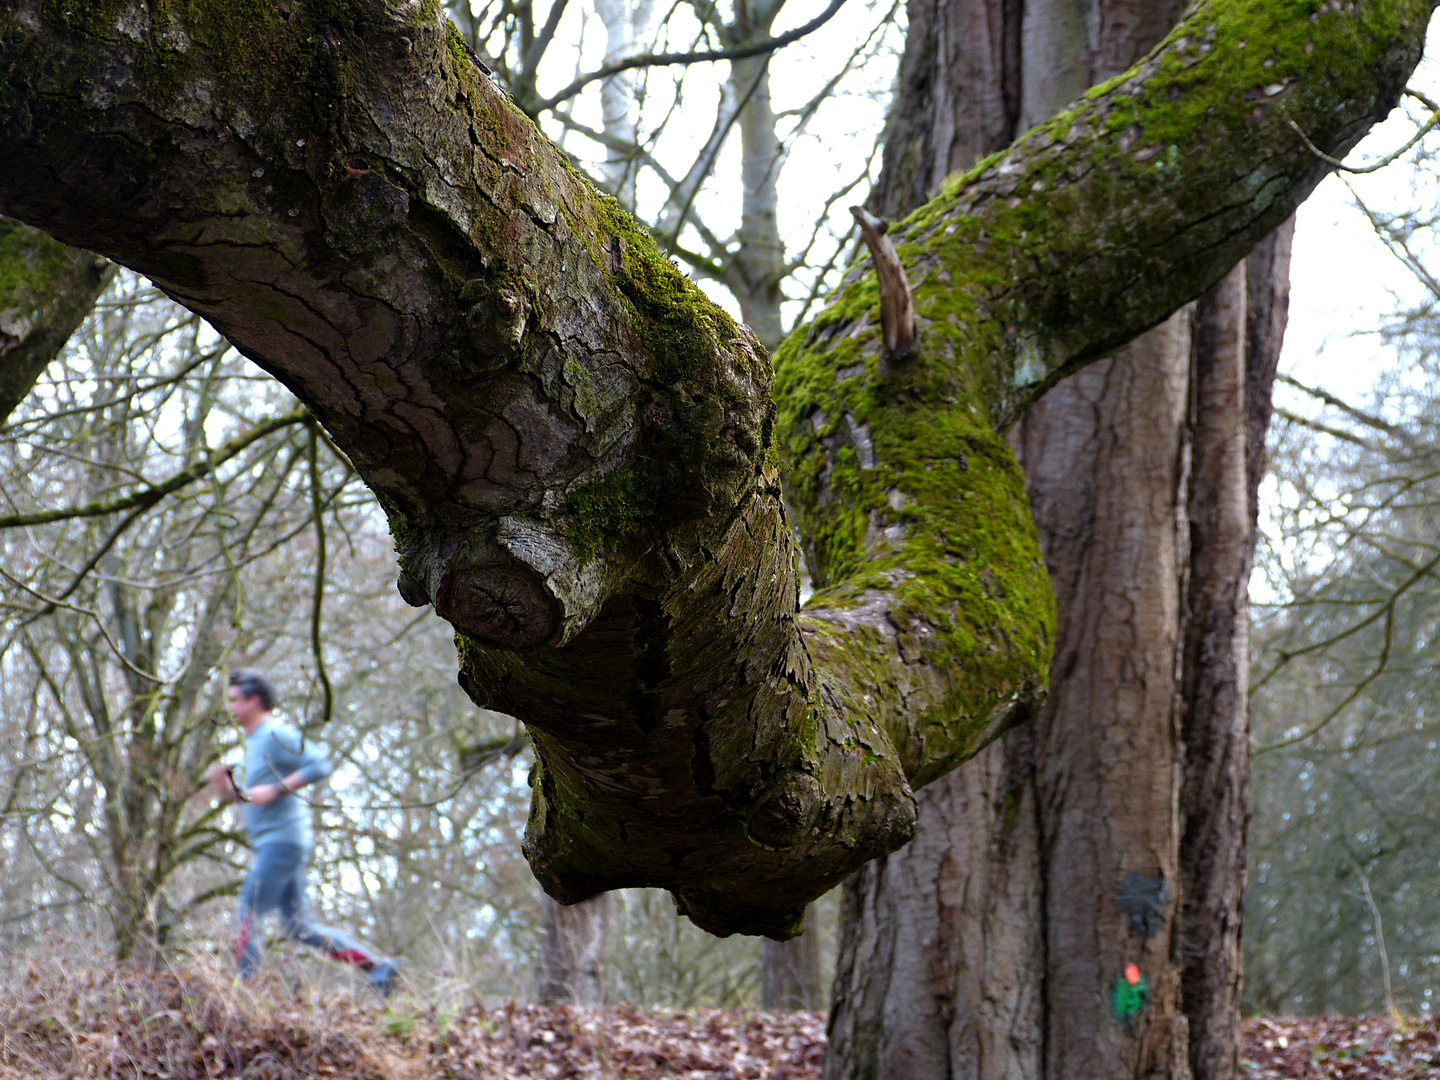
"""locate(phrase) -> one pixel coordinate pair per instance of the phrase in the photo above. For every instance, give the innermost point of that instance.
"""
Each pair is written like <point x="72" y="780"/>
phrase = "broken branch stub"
<point x="897" y="309"/>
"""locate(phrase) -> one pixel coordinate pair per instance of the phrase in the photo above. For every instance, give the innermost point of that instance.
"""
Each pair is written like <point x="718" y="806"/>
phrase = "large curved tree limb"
<point x="46" y="290"/>
<point x="577" y="451"/>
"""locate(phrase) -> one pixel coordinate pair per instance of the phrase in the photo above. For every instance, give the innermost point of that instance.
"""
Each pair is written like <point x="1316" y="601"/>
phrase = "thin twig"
<point x="154" y="493"/>
<point x="1388" y="159"/>
<point x="755" y="48"/>
<point x="317" y="512"/>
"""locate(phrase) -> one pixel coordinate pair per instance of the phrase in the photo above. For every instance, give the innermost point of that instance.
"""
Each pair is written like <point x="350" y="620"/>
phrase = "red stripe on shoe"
<point x="353" y="956"/>
<point x="243" y="940"/>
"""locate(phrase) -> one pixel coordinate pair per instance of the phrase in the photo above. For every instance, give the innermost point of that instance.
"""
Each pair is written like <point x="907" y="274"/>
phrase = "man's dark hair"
<point x="253" y="684"/>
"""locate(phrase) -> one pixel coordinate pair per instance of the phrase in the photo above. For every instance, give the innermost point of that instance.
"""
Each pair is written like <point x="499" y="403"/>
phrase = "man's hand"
<point x="222" y="782"/>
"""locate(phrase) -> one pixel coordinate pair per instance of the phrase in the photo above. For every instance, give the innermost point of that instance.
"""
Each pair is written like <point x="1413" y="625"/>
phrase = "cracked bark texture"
<point x="46" y="290"/>
<point x="580" y="456"/>
<point x="987" y="947"/>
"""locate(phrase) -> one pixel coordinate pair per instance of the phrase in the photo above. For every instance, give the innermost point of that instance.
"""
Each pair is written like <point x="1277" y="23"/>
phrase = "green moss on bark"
<point x="29" y="262"/>
<point x="604" y="511"/>
<point x="460" y="54"/>
<point x="679" y="326"/>
<point x="901" y="484"/>
<point x="938" y="523"/>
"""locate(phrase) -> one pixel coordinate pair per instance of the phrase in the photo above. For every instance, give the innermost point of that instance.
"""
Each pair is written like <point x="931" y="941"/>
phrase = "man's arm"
<point x="267" y="793"/>
<point x="308" y="763"/>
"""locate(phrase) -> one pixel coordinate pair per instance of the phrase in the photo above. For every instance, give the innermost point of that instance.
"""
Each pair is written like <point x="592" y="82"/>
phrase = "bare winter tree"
<point x="118" y="613"/>
<point x="580" y="457"/>
<point x="1343" y="858"/>
<point x="171" y="514"/>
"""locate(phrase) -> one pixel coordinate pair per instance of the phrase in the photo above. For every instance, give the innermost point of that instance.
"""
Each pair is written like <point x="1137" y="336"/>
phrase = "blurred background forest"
<point x="169" y="512"/>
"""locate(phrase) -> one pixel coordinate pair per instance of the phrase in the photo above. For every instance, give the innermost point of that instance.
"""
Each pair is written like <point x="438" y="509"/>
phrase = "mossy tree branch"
<point x="579" y="454"/>
<point x="46" y="290"/>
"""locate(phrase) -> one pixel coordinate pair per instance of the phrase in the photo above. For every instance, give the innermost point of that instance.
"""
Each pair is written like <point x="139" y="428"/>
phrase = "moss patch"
<point x="605" y="510"/>
<point x="678" y="324"/>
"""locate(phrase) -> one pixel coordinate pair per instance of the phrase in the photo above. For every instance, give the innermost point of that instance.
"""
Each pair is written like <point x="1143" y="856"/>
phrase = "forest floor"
<point x="182" y="1024"/>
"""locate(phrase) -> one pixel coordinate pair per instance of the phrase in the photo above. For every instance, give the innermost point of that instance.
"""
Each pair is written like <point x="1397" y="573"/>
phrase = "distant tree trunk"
<point x="991" y="945"/>
<point x="790" y="971"/>
<point x="626" y="25"/>
<point x="575" y="947"/>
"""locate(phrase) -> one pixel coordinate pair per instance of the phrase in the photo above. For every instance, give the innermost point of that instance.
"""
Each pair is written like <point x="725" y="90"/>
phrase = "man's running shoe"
<point x="384" y="976"/>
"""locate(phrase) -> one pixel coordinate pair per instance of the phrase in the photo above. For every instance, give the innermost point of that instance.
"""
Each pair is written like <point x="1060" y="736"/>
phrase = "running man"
<point x="278" y="763"/>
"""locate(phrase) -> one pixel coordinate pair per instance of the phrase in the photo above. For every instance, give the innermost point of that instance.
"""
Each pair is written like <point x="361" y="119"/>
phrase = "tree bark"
<point x="575" y="948"/>
<point x="1020" y="986"/>
<point x="580" y="456"/>
<point x="1106" y="459"/>
<point x="46" y="290"/>
<point x="942" y="955"/>
<point x="1239" y="327"/>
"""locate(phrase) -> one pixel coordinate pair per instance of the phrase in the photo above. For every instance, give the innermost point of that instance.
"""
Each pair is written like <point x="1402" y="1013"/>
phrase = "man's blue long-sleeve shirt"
<point x="274" y="751"/>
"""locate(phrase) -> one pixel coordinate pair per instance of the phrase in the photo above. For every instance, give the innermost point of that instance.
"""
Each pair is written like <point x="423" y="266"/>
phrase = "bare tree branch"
<point x="739" y="52"/>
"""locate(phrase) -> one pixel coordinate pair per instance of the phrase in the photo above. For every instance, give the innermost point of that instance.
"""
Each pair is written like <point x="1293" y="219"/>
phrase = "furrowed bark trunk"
<point x="46" y="290"/>
<point x="1051" y="907"/>
<point x="1105" y="455"/>
<point x="579" y="455"/>
<point x="1239" y="326"/>
<point x="942" y="956"/>
<point x="1215" y="808"/>
<point x="1106" y="466"/>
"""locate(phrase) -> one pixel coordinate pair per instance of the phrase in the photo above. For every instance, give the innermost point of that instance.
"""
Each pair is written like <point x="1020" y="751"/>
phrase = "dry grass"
<point x="75" y="1018"/>
<point x="72" y="1016"/>
<point x="78" y="1017"/>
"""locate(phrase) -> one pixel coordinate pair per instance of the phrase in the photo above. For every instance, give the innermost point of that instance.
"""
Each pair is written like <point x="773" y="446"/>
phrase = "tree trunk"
<point x="760" y="261"/>
<point x="627" y="23"/>
<point x="581" y="457"/>
<point x="1106" y="458"/>
<point x="991" y="945"/>
<point x="575" y="947"/>
<point x="1238" y="330"/>
<point x="790" y="971"/>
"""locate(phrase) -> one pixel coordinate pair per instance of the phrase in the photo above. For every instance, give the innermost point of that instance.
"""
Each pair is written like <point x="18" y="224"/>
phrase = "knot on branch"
<point x="520" y="586"/>
<point x="412" y="591"/>
<point x="499" y="605"/>
<point x="787" y="813"/>
<point x="897" y="309"/>
<point x="496" y="313"/>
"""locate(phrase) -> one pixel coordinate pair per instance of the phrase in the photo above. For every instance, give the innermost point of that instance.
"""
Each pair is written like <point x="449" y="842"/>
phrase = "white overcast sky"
<point x="1343" y="280"/>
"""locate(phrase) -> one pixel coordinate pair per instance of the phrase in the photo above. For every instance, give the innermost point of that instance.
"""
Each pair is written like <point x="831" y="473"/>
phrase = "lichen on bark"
<point x="580" y="454"/>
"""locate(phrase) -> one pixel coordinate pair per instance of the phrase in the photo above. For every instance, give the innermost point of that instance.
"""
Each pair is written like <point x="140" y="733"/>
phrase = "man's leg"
<point x="335" y="944"/>
<point x="264" y="886"/>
